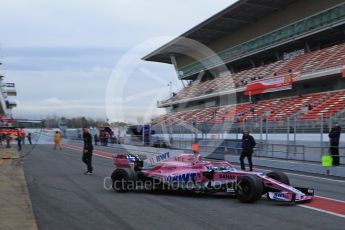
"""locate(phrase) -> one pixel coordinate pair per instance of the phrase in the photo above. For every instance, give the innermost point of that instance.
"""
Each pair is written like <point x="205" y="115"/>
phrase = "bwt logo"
<point x="183" y="177"/>
<point x="281" y="196"/>
<point x="162" y="157"/>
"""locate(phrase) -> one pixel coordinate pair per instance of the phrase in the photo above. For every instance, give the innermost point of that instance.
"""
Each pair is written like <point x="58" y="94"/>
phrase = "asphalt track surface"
<point x="64" y="198"/>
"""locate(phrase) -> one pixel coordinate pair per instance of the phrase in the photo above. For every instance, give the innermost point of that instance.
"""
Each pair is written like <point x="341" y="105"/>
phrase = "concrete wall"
<point x="294" y="12"/>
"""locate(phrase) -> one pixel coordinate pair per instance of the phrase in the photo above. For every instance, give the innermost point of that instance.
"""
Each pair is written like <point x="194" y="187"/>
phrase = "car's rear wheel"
<point x="123" y="180"/>
<point x="279" y="176"/>
<point x="249" y="188"/>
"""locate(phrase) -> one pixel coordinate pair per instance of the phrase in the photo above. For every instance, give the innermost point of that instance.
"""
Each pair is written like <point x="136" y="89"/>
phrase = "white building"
<point x="7" y="103"/>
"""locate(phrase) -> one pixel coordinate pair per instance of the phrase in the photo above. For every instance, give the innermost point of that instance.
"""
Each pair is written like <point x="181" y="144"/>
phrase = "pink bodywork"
<point x="190" y="167"/>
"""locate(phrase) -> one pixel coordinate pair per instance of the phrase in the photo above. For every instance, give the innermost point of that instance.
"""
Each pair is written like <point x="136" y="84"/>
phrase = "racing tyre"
<point x="249" y="188"/>
<point x="123" y="180"/>
<point x="279" y="176"/>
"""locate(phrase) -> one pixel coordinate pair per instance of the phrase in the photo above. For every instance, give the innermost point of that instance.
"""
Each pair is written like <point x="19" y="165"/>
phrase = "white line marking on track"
<point x="292" y="161"/>
<point x="102" y="156"/>
<point x="96" y="154"/>
<point x="341" y="201"/>
<point x="321" y="210"/>
<point x="315" y="177"/>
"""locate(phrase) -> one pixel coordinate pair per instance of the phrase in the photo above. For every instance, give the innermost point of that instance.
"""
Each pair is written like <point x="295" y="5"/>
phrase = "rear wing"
<point x="128" y="161"/>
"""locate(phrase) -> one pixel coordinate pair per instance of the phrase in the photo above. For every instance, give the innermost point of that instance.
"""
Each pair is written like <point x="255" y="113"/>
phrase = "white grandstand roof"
<point x="237" y="15"/>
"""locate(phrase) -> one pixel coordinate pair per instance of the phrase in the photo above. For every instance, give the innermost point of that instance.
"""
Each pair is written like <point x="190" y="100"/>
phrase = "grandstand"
<point x="286" y="61"/>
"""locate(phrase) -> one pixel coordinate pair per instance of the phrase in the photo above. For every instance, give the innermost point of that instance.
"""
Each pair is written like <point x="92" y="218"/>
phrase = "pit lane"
<point x="64" y="198"/>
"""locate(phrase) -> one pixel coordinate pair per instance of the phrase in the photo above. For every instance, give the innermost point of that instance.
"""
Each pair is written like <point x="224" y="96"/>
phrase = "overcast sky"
<point x="62" y="54"/>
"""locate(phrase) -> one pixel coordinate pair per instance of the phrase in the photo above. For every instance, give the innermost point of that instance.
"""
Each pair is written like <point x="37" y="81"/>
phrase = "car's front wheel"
<point x="249" y="188"/>
<point x="279" y="176"/>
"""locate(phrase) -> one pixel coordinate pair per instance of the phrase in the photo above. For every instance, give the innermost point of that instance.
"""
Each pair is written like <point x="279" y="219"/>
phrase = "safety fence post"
<point x="261" y="129"/>
<point x="295" y="129"/>
<point x="266" y="130"/>
<point x="288" y="138"/>
<point x="321" y="136"/>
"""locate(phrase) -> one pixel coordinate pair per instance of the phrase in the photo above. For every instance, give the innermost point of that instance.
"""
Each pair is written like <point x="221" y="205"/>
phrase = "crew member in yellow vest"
<point x="57" y="141"/>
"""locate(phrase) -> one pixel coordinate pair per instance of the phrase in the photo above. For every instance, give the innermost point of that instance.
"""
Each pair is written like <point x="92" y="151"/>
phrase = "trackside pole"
<point x="237" y="126"/>
<point x="288" y="130"/>
<point x="261" y="135"/>
<point x="143" y="134"/>
<point x="321" y="136"/>
<point x="261" y="123"/>
<point x="266" y="131"/>
<point x="180" y="139"/>
<point x="295" y="129"/>
<point x="326" y="160"/>
<point x="288" y="138"/>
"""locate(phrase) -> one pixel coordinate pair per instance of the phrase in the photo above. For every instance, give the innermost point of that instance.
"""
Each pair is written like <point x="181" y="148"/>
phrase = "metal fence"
<point x="289" y="129"/>
<point x="291" y="138"/>
<point x="218" y="148"/>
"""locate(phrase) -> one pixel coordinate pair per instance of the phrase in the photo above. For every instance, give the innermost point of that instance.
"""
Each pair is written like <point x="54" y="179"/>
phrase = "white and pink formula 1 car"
<point x="189" y="172"/>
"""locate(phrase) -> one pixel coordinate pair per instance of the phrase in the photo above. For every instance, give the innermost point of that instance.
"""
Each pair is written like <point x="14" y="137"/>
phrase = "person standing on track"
<point x="87" y="152"/>
<point x="248" y="143"/>
<point x="334" y="137"/>
<point x="57" y="140"/>
<point x="19" y="140"/>
<point x="29" y="138"/>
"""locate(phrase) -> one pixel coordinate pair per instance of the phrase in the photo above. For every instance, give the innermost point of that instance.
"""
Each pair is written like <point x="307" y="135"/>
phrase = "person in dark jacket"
<point x="334" y="137"/>
<point x="248" y="143"/>
<point x="29" y="138"/>
<point x="87" y="152"/>
<point x="19" y="140"/>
